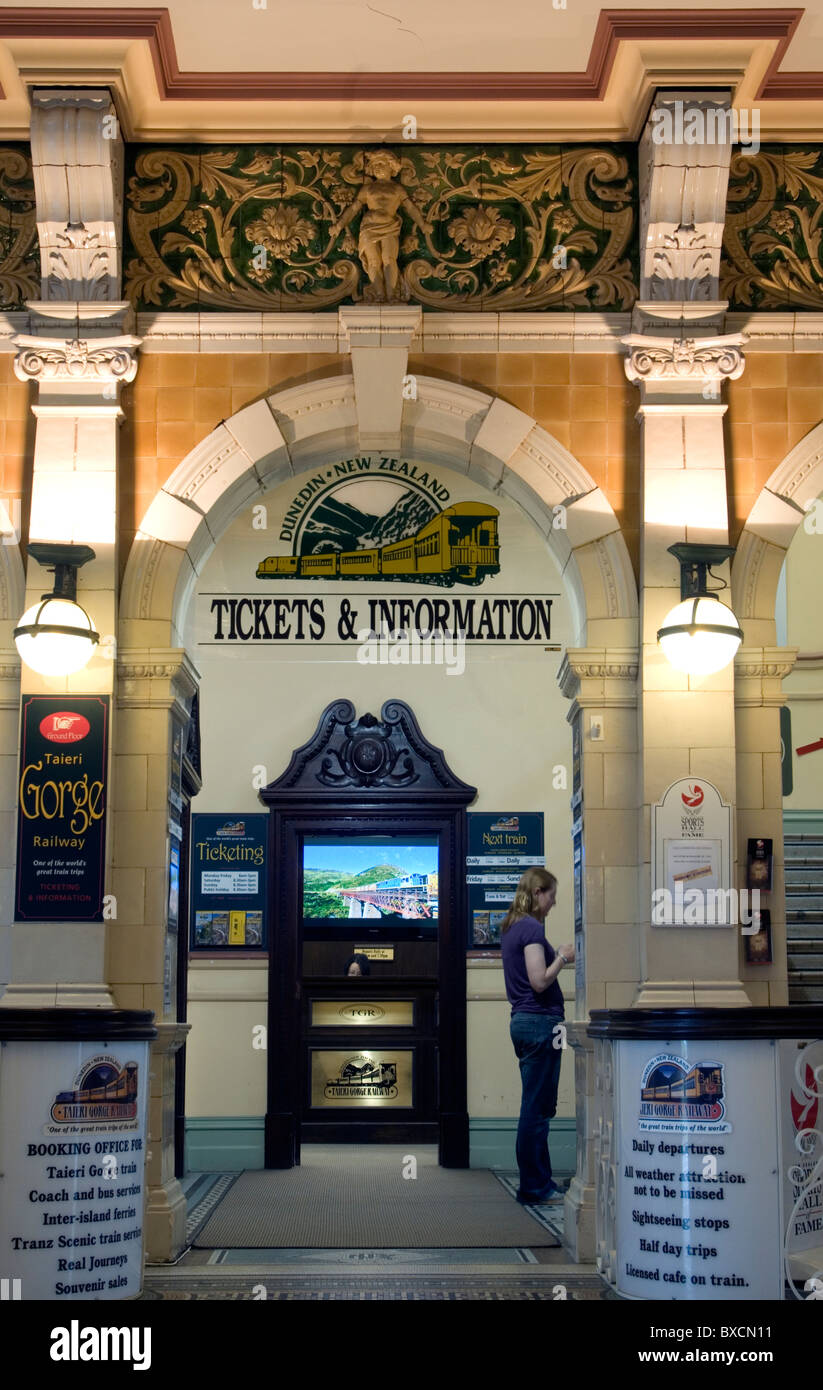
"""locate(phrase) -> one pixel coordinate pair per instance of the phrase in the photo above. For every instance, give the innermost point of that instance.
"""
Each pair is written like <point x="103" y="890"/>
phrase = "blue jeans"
<point x="533" y="1038"/>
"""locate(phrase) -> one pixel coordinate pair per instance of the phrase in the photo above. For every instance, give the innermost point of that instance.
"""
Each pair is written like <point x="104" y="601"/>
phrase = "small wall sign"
<point x="691" y="851"/>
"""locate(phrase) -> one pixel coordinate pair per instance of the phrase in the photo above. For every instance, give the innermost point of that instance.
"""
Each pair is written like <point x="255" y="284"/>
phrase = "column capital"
<point x="156" y="678"/>
<point x="677" y="359"/>
<point x="10" y="668"/>
<point x="586" y="673"/>
<point x="759" y="673"/>
<point x="81" y="362"/>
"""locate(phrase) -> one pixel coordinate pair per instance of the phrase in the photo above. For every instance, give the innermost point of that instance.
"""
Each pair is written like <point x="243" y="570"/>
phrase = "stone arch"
<point x="767" y="535"/>
<point x="294" y="430"/>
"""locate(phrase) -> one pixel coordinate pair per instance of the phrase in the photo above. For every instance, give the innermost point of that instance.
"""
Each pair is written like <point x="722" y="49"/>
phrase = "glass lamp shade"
<point x="700" y="636"/>
<point x="55" y="652"/>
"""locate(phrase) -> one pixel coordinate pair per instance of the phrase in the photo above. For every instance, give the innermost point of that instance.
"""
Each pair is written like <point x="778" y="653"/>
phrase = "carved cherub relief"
<point x="379" y="241"/>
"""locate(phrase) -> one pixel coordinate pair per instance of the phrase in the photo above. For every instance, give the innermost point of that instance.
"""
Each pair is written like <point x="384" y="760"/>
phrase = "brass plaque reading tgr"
<point x="342" y="1013"/>
<point x="350" y="1080"/>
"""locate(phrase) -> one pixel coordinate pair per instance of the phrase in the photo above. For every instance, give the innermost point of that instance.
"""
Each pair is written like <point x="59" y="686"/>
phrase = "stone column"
<point x="79" y="351"/>
<point x="679" y="357"/>
<point x="601" y="683"/>
<point x="155" y="690"/>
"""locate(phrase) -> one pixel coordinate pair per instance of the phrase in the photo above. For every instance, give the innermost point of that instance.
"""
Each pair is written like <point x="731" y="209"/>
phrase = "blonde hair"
<point x="532" y="882"/>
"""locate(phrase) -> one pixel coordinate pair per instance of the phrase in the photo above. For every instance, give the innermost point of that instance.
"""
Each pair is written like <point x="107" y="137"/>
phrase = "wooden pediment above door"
<point x="386" y="759"/>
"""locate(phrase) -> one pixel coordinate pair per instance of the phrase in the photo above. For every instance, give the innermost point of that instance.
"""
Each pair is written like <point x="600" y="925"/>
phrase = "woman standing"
<point x="530" y="969"/>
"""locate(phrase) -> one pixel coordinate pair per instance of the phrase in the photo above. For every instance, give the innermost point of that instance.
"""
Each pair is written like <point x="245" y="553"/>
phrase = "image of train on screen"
<point x="458" y="546"/>
<point x="704" y="1082"/>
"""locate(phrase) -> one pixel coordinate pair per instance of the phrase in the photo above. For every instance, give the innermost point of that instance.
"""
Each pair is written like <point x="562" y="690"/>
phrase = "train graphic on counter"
<point x="458" y="546"/>
<point x="704" y="1082"/>
<point x="107" y="1092"/>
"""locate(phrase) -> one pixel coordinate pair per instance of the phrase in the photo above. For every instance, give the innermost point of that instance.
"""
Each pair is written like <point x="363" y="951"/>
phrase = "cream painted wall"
<point x="502" y="725"/>
<point x="225" y="1073"/>
<point x="804" y="588"/>
<point x="494" y="1077"/>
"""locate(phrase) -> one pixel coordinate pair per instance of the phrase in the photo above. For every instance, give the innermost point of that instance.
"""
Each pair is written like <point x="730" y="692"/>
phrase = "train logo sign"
<point x="103" y="1092"/>
<point x="677" y="1096"/>
<point x="384" y="519"/>
<point x="362" y="1077"/>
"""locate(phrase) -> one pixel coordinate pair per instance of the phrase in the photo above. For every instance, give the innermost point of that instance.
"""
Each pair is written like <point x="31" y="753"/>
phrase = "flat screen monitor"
<point x="372" y="886"/>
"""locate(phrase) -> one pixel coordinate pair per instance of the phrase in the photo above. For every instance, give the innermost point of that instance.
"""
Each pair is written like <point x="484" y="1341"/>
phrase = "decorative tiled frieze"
<point x="279" y="227"/>
<point x="771" y="244"/>
<point x="19" y="250"/>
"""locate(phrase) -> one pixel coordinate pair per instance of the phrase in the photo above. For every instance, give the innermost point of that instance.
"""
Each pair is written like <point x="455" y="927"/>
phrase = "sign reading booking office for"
<point x="389" y="529"/>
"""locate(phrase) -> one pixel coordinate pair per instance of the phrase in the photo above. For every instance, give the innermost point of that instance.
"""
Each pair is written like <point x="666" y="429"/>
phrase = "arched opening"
<point x="222" y="513"/>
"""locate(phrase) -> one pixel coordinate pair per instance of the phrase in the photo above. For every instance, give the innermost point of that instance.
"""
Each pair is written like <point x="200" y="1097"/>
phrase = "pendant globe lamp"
<point x="700" y="635"/>
<point x="56" y="637"/>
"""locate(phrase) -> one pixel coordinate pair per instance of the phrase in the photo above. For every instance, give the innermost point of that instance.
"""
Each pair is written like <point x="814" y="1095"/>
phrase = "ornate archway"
<point x="292" y="431"/>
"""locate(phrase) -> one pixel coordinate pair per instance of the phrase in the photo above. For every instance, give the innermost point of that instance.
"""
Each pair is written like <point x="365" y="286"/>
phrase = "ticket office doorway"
<point x="380" y="1057"/>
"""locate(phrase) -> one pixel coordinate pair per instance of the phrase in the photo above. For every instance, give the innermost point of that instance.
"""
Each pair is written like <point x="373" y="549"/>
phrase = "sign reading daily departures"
<point x="62" y="808"/>
<point x="697" y="1170"/>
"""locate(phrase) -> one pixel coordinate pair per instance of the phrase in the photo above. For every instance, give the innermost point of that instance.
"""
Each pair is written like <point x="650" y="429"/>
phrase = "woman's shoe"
<point x="553" y="1194"/>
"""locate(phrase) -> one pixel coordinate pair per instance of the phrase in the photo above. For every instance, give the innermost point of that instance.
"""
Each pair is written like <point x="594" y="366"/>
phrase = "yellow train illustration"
<point x="121" y="1091"/>
<point x="703" y="1082"/>
<point x="459" y="546"/>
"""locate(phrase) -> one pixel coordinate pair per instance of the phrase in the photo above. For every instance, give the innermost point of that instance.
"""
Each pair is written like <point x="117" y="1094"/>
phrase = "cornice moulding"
<point x="553" y="331"/>
<point x="632" y="52"/>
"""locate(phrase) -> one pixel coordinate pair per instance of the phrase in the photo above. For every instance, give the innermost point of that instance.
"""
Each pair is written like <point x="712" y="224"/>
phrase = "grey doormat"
<point x="355" y="1196"/>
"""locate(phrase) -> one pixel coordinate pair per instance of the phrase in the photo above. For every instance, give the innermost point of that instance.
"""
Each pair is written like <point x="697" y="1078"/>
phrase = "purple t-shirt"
<point x="523" y="999"/>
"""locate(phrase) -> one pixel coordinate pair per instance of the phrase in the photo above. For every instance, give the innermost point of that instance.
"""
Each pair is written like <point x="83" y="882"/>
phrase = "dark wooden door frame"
<point x="365" y="776"/>
<point x="191" y="783"/>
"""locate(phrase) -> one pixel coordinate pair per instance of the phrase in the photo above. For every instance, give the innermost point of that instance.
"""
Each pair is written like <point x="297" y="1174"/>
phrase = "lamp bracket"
<point x="695" y="562"/>
<point x="64" y="561"/>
